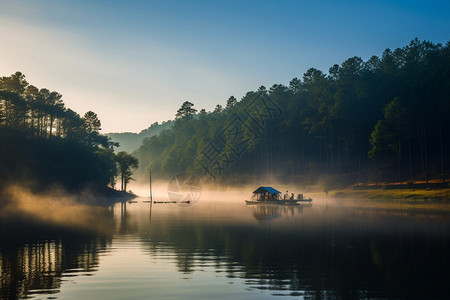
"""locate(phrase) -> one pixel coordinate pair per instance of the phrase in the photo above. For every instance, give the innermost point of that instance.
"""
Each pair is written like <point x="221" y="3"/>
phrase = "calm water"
<point x="223" y="249"/>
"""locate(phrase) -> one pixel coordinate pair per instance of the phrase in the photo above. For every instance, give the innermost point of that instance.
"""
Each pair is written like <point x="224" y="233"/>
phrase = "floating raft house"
<point x="266" y="193"/>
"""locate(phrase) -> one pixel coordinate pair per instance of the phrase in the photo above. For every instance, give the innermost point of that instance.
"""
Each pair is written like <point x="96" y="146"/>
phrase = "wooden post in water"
<point x="151" y="198"/>
<point x="150" y="187"/>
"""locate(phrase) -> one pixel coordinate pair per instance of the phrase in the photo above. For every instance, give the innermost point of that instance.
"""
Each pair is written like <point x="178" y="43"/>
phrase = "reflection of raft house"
<point x="269" y="195"/>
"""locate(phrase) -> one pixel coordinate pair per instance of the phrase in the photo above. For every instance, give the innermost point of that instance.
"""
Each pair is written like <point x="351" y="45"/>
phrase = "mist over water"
<point x="221" y="248"/>
<point x="57" y="208"/>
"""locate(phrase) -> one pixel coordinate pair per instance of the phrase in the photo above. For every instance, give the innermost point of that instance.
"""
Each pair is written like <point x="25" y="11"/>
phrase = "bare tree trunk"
<point x="339" y="156"/>
<point x="442" y="156"/>
<point x="399" y="156"/>
<point x="421" y="148"/>
<point x="320" y="150"/>
<point x="332" y="153"/>
<point x="360" y="160"/>
<point x="425" y="144"/>
<point x="51" y="127"/>
<point x="327" y="154"/>
<point x="410" y="161"/>
<point x="303" y="151"/>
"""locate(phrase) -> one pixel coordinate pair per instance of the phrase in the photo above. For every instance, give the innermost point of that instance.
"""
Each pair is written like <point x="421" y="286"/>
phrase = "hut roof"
<point x="266" y="189"/>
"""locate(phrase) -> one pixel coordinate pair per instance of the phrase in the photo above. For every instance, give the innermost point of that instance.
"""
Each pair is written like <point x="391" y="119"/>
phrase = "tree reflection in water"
<point x="33" y="256"/>
<point x="351" y="254"/>
<point x="315" y="252"/>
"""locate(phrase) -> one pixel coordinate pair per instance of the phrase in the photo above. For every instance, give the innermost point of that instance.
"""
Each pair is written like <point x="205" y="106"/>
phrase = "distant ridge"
<point x="130" y="141"/>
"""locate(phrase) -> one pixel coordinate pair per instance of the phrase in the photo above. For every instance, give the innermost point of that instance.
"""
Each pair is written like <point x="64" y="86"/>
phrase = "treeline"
<point x="384" y="119"/>
<point x="131" y="141"/>
<point x="43" y="143"/>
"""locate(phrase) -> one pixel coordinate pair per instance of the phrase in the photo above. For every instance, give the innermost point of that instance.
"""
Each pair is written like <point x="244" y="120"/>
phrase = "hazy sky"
<point x="136" y="62"/>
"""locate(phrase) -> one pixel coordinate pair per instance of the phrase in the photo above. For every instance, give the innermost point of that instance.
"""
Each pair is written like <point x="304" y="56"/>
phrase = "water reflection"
<point x="311" y="251"/>
<point x="34" y="255"/>
<point x="267" y="212"/>
<point x="324" y="253"/>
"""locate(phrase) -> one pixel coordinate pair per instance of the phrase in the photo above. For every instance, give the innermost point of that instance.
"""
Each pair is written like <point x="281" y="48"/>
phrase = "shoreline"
<point x="111" y="196"/>
<point x="405" y="195"/>
<point x="101" y="196"/>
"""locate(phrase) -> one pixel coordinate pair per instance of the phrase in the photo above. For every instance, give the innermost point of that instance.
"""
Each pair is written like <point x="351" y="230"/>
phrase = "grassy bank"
<point x="420" y="193"/>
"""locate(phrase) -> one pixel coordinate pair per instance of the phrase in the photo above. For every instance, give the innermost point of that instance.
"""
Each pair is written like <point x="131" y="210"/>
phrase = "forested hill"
<point x="386" y="118"/>
<point x="131" y="141"/>
<point x="44" y="144"/>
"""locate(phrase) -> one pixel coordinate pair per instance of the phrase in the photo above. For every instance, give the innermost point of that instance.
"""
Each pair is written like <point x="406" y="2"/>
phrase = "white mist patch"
<point x="59" y="208"/>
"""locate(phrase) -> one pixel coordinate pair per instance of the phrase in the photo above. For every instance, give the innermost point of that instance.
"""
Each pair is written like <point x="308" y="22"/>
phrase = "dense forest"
<point x="383" y="119"/>
<point x="43" y="143"/>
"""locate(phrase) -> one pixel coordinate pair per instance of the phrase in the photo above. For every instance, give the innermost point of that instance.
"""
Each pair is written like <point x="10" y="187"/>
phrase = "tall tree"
<point x="231" y="102"/>
<point x="91" y="122"/>
<point x="186" y="111"/>
<point x="218" y="108"/>
<point x="125" y="163"/>
<point x="92" y="126"/>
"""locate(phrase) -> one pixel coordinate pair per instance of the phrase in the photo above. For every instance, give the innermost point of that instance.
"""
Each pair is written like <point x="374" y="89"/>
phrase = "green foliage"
<point x="337" y="122"/>
<point x="125" y="163"/>
<point x="91" y="122"/>
<point x="43" y="143"/>
<point x="186" y="111"/>
<point x="43" y="162"/>
<point x="231" y="102"/>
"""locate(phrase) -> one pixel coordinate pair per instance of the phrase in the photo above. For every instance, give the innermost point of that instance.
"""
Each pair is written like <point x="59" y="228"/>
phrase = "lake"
<point x="220" y="248"/>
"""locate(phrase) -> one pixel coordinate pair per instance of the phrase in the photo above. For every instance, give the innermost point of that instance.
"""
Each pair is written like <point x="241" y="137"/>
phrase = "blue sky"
<point x="136" y="62"/>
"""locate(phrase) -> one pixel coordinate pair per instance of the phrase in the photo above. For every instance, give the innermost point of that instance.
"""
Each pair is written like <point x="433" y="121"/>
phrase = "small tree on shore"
<point x="125" y="163"/>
